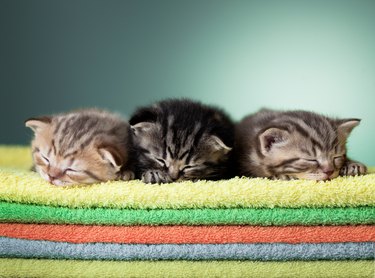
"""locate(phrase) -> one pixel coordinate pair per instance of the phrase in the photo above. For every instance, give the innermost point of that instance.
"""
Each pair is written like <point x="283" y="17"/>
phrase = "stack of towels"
<point x="232" y="228"/>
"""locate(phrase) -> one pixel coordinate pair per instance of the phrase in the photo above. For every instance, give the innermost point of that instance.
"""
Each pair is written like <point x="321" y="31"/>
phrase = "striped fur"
<point x="182" y="140"/>
<point x="86" y="146"/>
<point x="294" y="145"/>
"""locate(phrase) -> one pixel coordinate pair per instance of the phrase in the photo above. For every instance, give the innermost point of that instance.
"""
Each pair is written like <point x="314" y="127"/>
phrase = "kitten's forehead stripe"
<point x="185" y="153"/>
<point x="317" y="144"/>
<point x="298" y="127"/>
<point x="70" y="154"/>
<point x="170" y="152"/>
<point x="68" y="124"/>
<point x="306" y="151"/>
<point x="58" y="125"/>
<point x="53" y="146"/>
<point x="190" y="155"/>
<point x="84" y="127"/>
<point x="198" y="136"/>
<point x="164" y="151"/>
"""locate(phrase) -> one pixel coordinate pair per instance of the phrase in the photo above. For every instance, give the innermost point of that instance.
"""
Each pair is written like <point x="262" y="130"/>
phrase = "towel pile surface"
<point x="232" y="228"/>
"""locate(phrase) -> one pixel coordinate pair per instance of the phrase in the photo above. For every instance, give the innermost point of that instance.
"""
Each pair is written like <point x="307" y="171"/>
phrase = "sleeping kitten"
<point x="182" y="140"/>
<point x="85" y="146"/>
<point x="294" y="145"/>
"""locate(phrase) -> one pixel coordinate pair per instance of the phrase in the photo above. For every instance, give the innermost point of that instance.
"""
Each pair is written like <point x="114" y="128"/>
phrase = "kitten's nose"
<point x="174" y="176"/>
<point x="328" y="172"/>
<point x="54" y="173"/>
<point x="174" y="172"/>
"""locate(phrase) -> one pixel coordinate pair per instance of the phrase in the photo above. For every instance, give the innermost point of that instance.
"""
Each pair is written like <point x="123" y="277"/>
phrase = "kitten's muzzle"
<point x="54" y="174"/>
<point x="174" y="172"/>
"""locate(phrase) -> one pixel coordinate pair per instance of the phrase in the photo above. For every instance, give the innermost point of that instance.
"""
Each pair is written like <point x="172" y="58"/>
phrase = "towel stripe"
<point x="11" y="247"/>
<point x="186" y="269"/>
<point x="188" y="234"/>
<point x="14" y="212"/>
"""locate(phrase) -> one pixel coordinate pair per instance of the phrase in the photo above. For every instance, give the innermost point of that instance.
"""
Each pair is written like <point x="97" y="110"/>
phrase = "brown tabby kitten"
<point x="294" y="145"/>
<point x="85" y="146"/>
<point x="182" y="140"/>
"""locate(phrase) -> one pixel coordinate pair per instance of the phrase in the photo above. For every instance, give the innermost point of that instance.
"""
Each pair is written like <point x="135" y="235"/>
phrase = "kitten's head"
<point x="78" y="148"/>
<point x="183" y="157"/>
<point x="184" y="139"/>
<point x="306" y="151"/>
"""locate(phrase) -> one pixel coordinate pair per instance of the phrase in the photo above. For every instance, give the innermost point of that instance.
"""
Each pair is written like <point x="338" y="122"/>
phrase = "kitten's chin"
<point x="61" y="183"/>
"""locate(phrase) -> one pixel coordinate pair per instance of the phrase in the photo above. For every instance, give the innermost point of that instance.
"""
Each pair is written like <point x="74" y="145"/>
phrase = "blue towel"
<point x="21" y="248"/>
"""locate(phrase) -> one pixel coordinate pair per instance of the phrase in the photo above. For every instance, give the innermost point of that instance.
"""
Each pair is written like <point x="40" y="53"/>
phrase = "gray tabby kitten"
<point x="294" y="145"/>
<point x="85" y="146"/>
<point x="182" y="140"/>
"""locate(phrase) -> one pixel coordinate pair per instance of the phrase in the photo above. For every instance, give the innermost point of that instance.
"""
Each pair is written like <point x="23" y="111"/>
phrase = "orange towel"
<point x="188" y="234"/>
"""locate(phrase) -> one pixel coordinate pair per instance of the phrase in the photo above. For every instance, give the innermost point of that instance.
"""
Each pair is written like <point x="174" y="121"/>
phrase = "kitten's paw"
<point x="353" y="168"/>
<point x="282" y="177"/>
<point x="155" y="176"/>
<point x="127" y="175"/>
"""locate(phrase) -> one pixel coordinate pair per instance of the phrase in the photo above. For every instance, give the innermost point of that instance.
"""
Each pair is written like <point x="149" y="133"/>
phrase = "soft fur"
<point x="182" y="140"/>
<point x="86" y="146"/>
<point x="294" y="145"/>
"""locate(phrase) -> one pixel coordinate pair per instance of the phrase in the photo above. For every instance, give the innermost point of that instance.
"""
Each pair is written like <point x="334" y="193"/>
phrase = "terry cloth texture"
<point x="324" y="240"/>
<point x="28" y="187"/>
<point x="14" y="212"/>
<point x="185" y="269"/>
<point x="11" y="247"/>
<point x="188" y="234"/>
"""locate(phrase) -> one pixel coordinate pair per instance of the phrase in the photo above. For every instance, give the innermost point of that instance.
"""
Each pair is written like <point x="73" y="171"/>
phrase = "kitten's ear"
<point x="217" y="145"/>
<point x="272" y="137"/>
<point x="148" y="114"/>
<point x="142" y="128"/>
<point x="112" y="155"/>
<point x="346" y="126"/>
<point x="37" y="124"/>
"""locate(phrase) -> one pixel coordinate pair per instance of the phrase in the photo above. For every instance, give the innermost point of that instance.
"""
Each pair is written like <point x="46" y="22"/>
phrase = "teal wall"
<point x="241" y="55"/>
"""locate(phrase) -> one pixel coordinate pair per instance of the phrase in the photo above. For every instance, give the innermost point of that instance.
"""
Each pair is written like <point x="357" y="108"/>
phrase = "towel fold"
<point x="188" y="234"/>
<point x="14" y="212"/>
<point x="186" y="269"/>
<point x="22" y="248"/>
<point x="27" y="187"/>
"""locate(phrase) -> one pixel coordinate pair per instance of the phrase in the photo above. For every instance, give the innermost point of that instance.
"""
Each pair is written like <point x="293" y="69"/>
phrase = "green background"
<point x="241" y="55"/>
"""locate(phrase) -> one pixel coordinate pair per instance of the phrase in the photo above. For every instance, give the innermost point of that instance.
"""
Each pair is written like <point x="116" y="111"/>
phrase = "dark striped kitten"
<point x="294" y="145"/>
<point x="86" y="146"/>
<point x="182" y="140"/>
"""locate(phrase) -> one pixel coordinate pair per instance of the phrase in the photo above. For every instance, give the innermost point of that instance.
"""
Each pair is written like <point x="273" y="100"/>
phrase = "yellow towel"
<point x="20" y="185"/>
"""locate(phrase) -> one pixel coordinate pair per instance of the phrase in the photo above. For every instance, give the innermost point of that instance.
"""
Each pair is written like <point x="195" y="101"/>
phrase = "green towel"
<point x="14" y="212"/>
<point x="186" y="269"/>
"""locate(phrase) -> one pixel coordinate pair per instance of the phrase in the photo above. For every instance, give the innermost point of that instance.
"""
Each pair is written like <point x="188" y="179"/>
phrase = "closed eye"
<point x="312" y="161"/>
<point x="187" y="167"/>
<point x="71" y="170"/>
<point x="45" y="159"/>
<point x="161" y="162"/>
